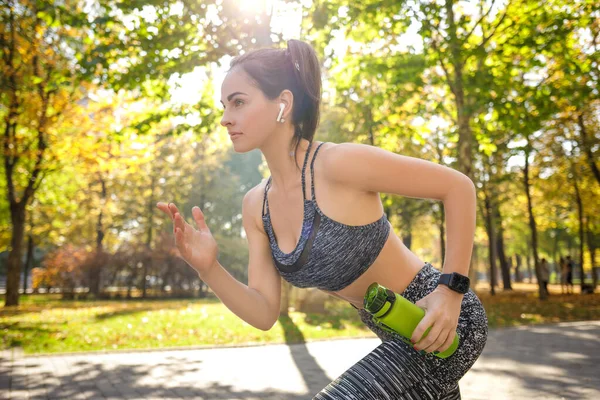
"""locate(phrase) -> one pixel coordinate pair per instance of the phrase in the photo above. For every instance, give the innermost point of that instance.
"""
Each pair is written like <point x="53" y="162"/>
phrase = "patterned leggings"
<point x="394" y="370"/>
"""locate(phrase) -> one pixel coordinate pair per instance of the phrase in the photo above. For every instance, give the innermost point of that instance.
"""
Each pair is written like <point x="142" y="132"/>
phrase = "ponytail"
<point x="306" y="69"/>
<point x="297" y="69"/>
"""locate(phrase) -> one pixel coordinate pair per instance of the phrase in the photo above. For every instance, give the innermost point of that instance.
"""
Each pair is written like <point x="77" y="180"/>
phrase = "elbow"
<point x="268" y="326"/>
<point x="268" y="321"/>
<point x="461" y="188"/>
<point x="466" y="182"/>
<point x="467" y="186"/>
<point x="470" y="185"/>
<point x="273" y="321"/>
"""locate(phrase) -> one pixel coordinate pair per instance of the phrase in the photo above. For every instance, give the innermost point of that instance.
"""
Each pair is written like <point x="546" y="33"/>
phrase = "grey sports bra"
<point x="329" y="255"/>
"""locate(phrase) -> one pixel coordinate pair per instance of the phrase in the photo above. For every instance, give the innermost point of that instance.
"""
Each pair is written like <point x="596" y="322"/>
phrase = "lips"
<point x="233" y="135"/>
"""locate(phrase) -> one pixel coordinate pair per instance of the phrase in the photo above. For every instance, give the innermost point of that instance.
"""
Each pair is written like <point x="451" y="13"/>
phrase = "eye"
<point x="238" y="100"/>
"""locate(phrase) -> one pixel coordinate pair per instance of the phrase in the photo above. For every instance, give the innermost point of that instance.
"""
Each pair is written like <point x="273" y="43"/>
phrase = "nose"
<point x="225" y="120"/>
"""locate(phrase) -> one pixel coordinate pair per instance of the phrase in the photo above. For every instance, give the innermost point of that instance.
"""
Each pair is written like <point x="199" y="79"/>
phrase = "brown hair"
<point x="296" y="69"/>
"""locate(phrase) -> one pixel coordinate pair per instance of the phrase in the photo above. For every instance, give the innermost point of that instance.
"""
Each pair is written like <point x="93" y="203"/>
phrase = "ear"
<point x="286" y="97"/>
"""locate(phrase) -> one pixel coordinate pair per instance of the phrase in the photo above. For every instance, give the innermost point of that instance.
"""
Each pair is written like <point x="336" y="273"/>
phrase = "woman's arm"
<point x="372" y="169"/>
<point x="257" y="303"/>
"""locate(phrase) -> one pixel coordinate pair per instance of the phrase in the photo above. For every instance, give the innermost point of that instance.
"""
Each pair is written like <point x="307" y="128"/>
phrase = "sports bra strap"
<point x="304" y="169"/>
<point x="268" y="184"/>
<point x="312" y="173"/>
<point x="265" y="196"/>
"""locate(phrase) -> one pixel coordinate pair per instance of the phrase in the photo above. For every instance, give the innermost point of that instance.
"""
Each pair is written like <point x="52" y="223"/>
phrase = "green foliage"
<point x="520" y="74"/>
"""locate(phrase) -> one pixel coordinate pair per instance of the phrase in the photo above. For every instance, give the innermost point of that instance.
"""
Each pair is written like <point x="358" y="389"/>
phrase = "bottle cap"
<point x="375" y="298"/>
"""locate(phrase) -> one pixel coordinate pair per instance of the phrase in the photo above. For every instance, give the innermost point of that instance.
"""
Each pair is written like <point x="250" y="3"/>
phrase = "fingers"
<point x="199" y="218"/>
<point x="172" y="211"/>
<point x="180" y="242"/>
<point x="173" y="208"/>
<point x="169" y="209"/>
<point x="448" y="342"/>
<point x="438" y="338"/>
<point x="179" y="222"/>
<point x="419" y="331"/>
<point x="164" y="208"/>
<point x="179" y="225"/>
<point x="423" y="325"/>
<point x="435" y="331"/>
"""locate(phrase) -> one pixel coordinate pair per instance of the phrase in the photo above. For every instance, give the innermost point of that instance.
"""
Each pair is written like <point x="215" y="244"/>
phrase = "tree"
<point x="37" y="84"/>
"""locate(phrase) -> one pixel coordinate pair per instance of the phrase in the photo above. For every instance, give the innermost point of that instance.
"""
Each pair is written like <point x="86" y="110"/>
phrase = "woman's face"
<point x="248" y="116"/>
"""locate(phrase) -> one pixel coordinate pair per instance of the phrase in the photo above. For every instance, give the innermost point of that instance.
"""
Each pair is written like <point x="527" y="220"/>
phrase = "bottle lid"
<point x="375" y="298"/>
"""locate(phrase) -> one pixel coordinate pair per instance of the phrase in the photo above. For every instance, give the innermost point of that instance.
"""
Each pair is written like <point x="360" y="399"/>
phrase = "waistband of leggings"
<point x="422" y="284"/>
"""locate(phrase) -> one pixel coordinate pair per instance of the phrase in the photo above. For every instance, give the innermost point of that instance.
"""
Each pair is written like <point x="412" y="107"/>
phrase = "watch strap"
<point x="455" y="281"/>
<point x="445" y="279"/>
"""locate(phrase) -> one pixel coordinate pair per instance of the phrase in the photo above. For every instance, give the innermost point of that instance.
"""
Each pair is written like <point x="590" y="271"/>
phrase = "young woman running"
<point x="326" y="229"/>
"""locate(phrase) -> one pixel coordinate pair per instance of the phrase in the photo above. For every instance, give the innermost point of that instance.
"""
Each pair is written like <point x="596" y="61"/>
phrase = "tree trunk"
<point x="150" y="260"/>
<point x="406" y="227"/>
<point x="13" y="262"/>
<point x="532" y="225"/>
<point x="569" y="245"/>
<point x="473" y="267"/>
<point x="587" y="148"/>
<point x="455" y="82"/>
<point x="579" y="202"/>
<point x="131" y="281"/>
<point x="518" y="277"/>
<point x="96" y="267"/>
<point x="556" y="258"/>
<point x="11" y="156"/>
<point x="370" y="126"/>
<point x="528" y="262"/>
<point x="442" y="214"/>
<point x="465" y="136"/>
<point x="500" y="246"/>
<point x="592" y="250"/>
<point x="407" y="239"/>
<point x="489" y="227"/>
<point x="28" y="261"/>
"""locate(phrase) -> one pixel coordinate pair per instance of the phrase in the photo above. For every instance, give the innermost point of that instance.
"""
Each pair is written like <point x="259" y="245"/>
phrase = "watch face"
<point x="459" y="283"/>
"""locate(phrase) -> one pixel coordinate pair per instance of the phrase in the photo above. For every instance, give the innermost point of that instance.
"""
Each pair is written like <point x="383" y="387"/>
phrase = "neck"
<point x="285" y="174"/>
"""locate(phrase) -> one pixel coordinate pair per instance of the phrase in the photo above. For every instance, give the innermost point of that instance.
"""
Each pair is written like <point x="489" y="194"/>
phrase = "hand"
<point x="442" y="309"/>
<point x="197" y="246"/>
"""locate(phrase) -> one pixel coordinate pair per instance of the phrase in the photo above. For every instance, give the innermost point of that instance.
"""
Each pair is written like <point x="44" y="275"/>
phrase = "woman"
<point x="325" y="228"/>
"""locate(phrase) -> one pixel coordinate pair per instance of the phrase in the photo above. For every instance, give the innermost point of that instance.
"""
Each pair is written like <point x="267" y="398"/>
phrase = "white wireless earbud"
<point x="281" y="107"/>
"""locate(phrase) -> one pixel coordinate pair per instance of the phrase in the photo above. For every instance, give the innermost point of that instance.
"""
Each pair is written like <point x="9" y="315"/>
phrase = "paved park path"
<point x="560" y="361"/>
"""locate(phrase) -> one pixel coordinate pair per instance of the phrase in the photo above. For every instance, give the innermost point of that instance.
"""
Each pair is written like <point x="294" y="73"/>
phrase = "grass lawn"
<point x="45" y="324"/>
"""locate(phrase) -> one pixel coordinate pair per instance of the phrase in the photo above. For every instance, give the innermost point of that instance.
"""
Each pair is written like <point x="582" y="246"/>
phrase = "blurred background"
<point x="108" y="107"/>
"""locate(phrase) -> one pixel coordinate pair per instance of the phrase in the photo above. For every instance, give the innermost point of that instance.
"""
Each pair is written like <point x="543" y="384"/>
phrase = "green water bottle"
<point x="394" y="314"/>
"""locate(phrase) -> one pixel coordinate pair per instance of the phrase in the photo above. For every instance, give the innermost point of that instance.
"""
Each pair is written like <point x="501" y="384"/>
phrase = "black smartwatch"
<point x="455" y="281"/>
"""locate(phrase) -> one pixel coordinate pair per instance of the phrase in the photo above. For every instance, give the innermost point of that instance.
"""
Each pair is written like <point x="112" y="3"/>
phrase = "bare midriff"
<point x="395" y="267"/>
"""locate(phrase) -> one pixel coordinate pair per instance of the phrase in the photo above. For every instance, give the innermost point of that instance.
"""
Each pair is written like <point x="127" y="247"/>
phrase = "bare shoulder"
<point x="252" y="205"/>
<point x="373" y="169"/>
<point x="335" y="158"/>
<point x="336" y="154"/>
